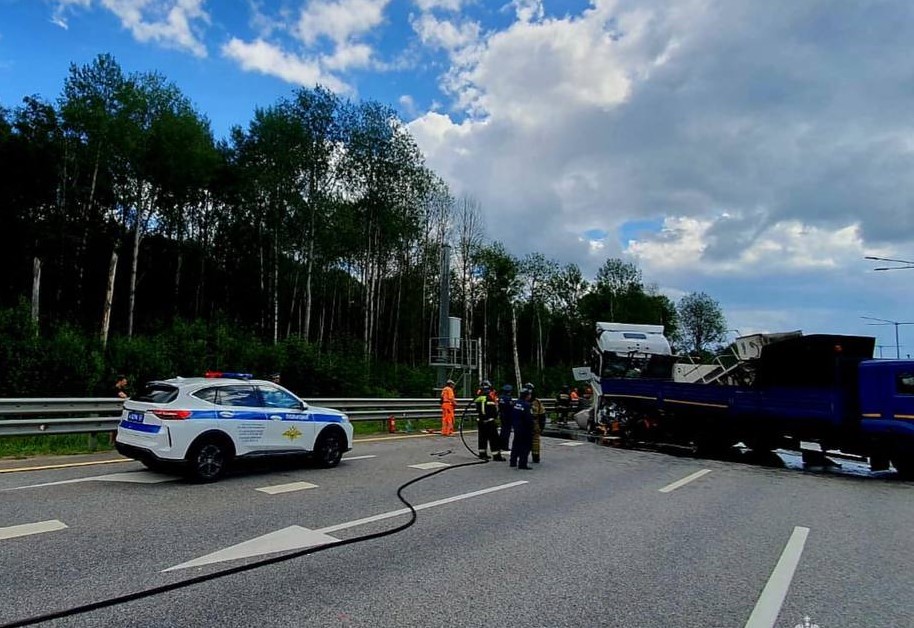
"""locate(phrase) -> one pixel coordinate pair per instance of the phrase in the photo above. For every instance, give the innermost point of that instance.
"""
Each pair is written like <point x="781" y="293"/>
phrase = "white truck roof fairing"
<point x="624" y="338"/>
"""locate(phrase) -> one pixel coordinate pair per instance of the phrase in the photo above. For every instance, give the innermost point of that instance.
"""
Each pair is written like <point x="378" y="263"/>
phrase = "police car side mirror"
<point x="304" y="405"/>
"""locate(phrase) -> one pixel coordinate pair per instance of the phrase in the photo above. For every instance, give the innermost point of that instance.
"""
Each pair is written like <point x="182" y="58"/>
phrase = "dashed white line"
<point x="768" y="607"/>
<point x="429" y="465"/>
<point x="286" y="488"/>
<point x="26" y="529"/>
<point x="347" y="458"/>
<point x="572" y="444"/>
<point x="669" y="488"/>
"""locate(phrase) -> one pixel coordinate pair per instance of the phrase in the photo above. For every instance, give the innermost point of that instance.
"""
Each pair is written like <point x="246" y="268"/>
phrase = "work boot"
<point x="512" y="464"/>
<point x="483" y="455"/>
<point x="525" y="468"/>
<point x="498" y="458"/>
<point x="536" y="458"/>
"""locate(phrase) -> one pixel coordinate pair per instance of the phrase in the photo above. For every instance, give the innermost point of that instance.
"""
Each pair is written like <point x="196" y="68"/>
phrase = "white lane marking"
<point x="429" y="465"/>
<point x="31" y="528"/>
<point x="768" y="607"/>
<point x="669" y="488"/>
<point x="358" y="457"/>
<point x="285" y="488"/>
<point x="572" y="444"/>
<point x="132" y="477"/>
<point x="405" y="511"/>
<point x="296" y="537"/>
<point x="287" y="539"/>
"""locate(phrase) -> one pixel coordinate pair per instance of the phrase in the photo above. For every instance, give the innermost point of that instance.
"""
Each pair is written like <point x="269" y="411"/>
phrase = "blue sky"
<point x="755" y="151"/>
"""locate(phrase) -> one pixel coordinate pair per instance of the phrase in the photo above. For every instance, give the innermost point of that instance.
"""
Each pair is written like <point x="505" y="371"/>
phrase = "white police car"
<point x="204" y="423"/>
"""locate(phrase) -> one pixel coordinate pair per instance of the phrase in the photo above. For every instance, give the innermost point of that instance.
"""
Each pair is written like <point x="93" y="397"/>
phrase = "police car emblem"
<point x="292" y="433"/>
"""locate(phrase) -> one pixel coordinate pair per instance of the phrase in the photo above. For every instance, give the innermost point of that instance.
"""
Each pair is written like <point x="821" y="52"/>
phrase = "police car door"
<point x="288" y="424"/>
<point x="239" y="413"/>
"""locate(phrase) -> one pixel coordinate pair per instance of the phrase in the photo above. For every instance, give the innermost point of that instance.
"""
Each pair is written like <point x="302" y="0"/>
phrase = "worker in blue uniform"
<point x="505" y="415"/>
<point x="523" y="431"/>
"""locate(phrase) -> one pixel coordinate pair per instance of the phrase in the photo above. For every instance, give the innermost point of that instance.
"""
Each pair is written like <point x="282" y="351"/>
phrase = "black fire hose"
<point x="165" y="588"/>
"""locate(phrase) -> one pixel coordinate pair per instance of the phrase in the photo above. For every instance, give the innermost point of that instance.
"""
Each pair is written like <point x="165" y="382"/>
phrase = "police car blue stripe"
<point x="141" y="427"/>
<point x="326" y="418"/>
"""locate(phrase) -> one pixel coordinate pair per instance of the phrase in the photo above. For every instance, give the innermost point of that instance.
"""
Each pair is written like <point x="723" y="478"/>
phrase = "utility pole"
<point x="444" y="312"/>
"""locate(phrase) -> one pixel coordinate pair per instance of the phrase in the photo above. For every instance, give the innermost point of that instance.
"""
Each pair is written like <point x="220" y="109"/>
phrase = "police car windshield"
<point x="156" y="393"/>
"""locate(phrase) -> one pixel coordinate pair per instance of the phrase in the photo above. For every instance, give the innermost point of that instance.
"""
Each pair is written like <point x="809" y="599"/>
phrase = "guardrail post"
<point x="93" y="441"/>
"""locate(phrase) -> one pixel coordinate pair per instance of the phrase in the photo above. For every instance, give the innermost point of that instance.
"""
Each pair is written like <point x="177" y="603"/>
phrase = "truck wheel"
<point x="329" y="448"/>
<point x="208" y="459"/>
<point x="904" y="466"/>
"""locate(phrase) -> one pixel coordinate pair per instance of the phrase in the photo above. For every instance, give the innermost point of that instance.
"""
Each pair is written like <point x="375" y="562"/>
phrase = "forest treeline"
<point x="310" y="241"/>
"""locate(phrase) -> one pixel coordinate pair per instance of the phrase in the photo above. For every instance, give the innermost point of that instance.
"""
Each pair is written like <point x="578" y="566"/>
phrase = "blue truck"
<point x="821" y="388"/>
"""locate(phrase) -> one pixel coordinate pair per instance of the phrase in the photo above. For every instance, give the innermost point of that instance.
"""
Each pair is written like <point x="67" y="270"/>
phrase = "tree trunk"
<point x="292" y="305"/>
<point x="81" y="248"/>
<point x="308" y="271"/>
<point x="275" y="288"/>
<point x="514" y="346"/>
<point x="134" y="261"/>
<point x="36" y="290"/>
<point x="178" y="264"/>
<point x="109" y="298"/>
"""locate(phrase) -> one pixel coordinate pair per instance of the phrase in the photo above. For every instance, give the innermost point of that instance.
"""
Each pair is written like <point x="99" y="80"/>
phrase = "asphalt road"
<point x="587" y="538"/>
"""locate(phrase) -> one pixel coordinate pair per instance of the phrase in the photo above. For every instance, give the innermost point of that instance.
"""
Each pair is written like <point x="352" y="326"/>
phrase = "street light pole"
<point x="885" y="321"/>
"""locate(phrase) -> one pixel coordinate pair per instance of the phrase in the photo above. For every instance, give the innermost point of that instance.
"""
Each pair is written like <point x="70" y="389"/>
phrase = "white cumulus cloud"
<point x="266" y="58"/>
<point x="339" y="20"/>
<point x="170" y="23"/>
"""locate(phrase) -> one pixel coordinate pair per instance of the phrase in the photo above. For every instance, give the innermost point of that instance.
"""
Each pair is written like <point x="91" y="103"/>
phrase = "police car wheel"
<point x="329" y="449"/>
<point x="208" y="461"/>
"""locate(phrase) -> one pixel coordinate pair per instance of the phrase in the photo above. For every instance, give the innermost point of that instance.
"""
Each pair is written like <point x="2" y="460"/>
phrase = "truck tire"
<point x="904" y="466"/>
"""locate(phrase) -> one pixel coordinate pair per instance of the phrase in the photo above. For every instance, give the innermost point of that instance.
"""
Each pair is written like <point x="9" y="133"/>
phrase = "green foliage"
<point x="69" y="362"/>
<point x="702" y="321"/>
<point x="307" y="243"/>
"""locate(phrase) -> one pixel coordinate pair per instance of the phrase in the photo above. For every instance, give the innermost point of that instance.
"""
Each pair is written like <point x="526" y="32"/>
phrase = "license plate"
<point x="136" y="417"/>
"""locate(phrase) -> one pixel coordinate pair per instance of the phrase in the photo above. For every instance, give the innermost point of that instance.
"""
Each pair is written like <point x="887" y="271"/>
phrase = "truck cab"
<point x="887" y="407"/>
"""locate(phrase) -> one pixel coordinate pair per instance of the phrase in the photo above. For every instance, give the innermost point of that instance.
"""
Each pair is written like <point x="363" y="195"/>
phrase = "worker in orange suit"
<point x="448" y="405"/>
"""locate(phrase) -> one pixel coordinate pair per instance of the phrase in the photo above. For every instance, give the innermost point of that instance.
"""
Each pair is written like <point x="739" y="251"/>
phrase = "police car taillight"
<point x="172" y="415"/>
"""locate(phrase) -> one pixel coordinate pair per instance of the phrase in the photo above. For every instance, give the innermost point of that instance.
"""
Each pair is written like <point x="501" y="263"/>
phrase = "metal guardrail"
<point x="30" y="417"/>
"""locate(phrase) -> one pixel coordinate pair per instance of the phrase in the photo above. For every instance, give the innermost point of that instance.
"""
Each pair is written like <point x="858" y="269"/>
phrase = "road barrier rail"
<point x="31" y="417"/>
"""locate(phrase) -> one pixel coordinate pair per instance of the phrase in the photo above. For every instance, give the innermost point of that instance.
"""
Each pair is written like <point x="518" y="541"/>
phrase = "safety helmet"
<point x="565" y="388"/>
<point x="449" y="382"/>
<point x="507" y="388"/>
<point x="485" y="383"/>
<point x="529" y="386"/>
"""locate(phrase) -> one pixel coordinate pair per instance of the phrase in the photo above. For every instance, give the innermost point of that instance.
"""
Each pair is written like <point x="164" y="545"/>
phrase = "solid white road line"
<point x="766" y="610"/>
<point x="346" y="458"/>
<point x="572" y="444"/>
<point x="429" y="465"/>
<point x="286" y="488"/>
<point x="405" y="511"/>
<point x="297" y="537"/>
<point x="31" y="528"/>
<point x="669" y="488"/>
<point x="131" y="477"/>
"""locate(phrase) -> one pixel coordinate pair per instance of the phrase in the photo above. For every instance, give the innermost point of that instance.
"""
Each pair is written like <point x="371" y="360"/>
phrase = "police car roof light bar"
<point x="227" y="375"/>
